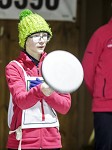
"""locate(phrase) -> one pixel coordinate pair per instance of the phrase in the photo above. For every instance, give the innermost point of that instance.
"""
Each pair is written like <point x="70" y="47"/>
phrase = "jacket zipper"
<point x="43" y="116"/>
<point x="104" y="87"/>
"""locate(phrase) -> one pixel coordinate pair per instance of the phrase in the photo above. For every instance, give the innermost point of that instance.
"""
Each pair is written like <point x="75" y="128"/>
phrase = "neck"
<point x="34" y="55"/>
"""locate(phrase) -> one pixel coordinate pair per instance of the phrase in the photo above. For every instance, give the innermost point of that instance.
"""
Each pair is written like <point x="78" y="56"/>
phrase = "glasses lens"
<point x="44" y="36"/>
<point x="37" y="37"/>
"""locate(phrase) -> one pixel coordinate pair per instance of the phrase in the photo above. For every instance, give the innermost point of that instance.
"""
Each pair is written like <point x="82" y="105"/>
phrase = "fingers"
<point x="37" y="79"/>
<point x="47" y="91"/>
<point x="34" y="83"/>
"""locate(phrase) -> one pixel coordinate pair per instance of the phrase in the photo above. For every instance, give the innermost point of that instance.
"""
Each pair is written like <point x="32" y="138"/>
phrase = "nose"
<point x="41" y="41"/>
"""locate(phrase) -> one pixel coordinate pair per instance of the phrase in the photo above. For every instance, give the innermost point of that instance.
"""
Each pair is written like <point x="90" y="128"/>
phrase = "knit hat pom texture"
<point x="31" y="23"/>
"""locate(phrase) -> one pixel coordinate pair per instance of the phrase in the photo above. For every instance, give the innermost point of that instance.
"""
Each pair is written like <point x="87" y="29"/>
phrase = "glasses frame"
<point x="39" y="37"/>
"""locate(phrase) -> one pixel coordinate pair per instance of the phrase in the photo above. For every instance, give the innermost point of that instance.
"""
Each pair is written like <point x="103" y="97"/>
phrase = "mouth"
<point x="40" y="47"/>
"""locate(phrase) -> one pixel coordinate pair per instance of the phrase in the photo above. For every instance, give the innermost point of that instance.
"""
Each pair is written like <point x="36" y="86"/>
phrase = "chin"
<point x="40" y="51"/>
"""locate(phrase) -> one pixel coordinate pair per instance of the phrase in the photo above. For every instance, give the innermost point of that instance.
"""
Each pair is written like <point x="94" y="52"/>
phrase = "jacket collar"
<point x="26" y="58"/>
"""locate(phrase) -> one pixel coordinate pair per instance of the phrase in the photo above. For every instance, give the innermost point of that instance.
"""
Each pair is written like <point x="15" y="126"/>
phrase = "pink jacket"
<point x="97" y="65"/>
<point x="22" y="99"/>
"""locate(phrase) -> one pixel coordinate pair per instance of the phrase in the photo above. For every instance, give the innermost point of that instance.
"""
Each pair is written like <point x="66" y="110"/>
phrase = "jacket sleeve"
<point x="60" y="102"/>
<point x="16" y="82"/>
<point x="90" y="60"/>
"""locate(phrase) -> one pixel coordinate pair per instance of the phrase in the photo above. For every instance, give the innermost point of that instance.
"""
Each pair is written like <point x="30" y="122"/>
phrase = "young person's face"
<point x="36" y="43"/>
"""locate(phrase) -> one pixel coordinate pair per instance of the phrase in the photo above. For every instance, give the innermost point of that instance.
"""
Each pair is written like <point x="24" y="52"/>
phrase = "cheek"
<point x="30" y="45"/>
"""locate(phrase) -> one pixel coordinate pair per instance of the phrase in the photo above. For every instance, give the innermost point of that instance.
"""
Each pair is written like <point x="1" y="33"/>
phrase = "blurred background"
<point x="71" y="31"/>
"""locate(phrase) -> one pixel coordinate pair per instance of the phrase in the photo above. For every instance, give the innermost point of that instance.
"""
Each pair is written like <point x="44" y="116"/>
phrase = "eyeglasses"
<point x="38" y="36"/>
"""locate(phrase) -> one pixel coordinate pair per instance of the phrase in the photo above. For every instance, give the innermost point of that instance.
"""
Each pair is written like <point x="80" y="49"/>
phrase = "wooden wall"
<point x="76" y="127"/>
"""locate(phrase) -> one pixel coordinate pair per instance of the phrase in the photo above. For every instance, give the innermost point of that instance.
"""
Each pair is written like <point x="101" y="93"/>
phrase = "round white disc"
<point x="62" y="71"/>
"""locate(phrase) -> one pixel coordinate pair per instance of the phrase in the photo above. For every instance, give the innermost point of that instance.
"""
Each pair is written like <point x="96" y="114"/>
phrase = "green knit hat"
<point x="31" y="23"/>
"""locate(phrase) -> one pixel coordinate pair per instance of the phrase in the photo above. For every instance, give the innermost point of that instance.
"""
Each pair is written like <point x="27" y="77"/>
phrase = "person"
<point x="97" y="65"/>
<point x="34" y="123"/>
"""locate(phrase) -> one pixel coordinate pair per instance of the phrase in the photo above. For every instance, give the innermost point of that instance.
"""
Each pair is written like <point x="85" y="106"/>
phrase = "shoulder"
<point x="13" y="68"/>
<point x="105" y="29"/>
<point x="103" y="33"/>
<point x="12" y="64"/>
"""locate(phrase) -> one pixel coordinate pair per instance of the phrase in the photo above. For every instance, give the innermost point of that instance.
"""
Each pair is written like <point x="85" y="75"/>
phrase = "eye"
<point x="36" y="35"/>
<point x="44" y="36"/>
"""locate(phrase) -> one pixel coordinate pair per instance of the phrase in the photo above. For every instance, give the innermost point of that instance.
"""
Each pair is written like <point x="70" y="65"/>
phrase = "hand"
<point x="34" y="83"/>
<point x="46" y="90"/>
